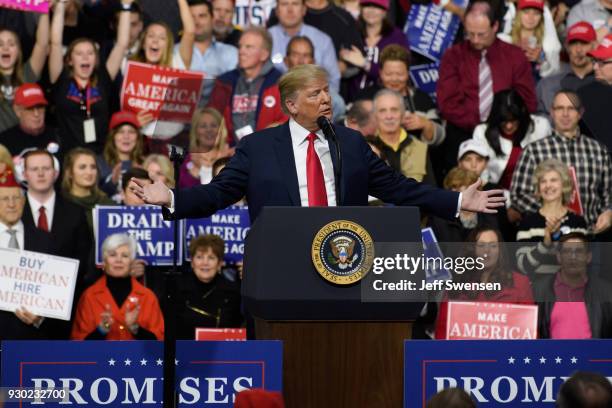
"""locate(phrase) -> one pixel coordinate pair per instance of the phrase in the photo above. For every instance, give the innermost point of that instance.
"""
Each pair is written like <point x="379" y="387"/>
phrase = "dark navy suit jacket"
<point x="263" y="170"/>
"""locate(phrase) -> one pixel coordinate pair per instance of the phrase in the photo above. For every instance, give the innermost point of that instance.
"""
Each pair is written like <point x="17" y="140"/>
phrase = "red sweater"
<point x="457" y="88"/>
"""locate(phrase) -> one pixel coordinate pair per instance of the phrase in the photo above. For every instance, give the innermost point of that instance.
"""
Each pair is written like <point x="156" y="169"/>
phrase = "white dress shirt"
<point x="5" y="237"/>
<point x="300" y="149"/>
<point x="49" y="208"/>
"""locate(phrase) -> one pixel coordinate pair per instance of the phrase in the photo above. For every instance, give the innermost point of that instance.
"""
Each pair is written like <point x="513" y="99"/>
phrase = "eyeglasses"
<point x="10" y="199"/>
<point x="601" y="63"/>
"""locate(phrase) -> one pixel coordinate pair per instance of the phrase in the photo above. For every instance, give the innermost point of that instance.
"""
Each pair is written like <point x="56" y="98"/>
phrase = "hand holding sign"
<point x="27" y="317"/>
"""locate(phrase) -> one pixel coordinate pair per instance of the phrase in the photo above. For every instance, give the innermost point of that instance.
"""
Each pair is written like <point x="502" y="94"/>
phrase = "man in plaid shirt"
<point x="586" y="155"/>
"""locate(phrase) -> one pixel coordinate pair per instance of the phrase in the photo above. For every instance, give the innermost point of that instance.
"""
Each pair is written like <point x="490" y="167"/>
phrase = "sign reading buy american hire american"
<point x="129" y="373"/>
<point x="499" y="373"/>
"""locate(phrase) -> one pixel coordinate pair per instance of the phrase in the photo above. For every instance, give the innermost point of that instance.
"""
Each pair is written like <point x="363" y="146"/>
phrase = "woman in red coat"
<point x="117" y="307"/>
<point x="516" y="287"/>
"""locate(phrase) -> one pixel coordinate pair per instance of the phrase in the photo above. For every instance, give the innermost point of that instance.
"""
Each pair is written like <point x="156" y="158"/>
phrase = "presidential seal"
<point x="342" y="252"/>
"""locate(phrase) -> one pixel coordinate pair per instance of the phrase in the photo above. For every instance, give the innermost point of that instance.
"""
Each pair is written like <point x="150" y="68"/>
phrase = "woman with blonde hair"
<point x="207" y="143"/>
<point x="157" y="48"/>
<point x="6" y="160"/>
<point x="541" y="46"/>
<point x="14" y="71"/>
<point x="80" y="181"/>
<point x="554" y="218"/>
<point x="159" y="168"/>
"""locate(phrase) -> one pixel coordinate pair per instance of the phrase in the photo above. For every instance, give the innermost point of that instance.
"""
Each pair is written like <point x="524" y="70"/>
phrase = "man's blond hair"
<point x="296" y="79"/>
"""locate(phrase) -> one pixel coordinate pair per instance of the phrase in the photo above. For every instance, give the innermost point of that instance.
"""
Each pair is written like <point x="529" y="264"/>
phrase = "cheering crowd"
<point x="521" y="103"/>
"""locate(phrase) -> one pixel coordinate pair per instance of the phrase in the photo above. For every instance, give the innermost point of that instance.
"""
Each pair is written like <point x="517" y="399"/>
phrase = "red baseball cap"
<point x="7" y="178"/>
<point x="581" y="31"/>
<point x="384" y="4"/>
<point x="123" y="117"/>
<point x="28" y="95"/>
<point x="604" y="50"/>
<point x="536" y="4"/>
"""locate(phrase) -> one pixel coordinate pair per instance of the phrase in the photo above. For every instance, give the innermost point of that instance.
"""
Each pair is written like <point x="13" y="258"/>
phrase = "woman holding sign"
<point x="486" y="243"/>
<point x="82" y="89"/>
<point x="117" y="307"/>
<point x="156" y="48"/>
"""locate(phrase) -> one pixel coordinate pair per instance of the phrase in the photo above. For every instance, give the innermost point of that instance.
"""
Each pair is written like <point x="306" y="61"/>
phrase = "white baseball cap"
<point x="472" y="145"/>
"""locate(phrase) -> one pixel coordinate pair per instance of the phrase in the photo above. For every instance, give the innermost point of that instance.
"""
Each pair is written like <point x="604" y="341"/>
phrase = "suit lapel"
<point x="286" y="162"/>
<point x="27" y="217"/>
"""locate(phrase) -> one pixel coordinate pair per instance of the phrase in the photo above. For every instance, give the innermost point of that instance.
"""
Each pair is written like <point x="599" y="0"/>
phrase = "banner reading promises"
<point x="169" y="94"/>
<point x="37" y="6"/>
<point x="43" y="284"/>
<point x="232" y="224"/>
<point x="154" y="236"/>
<point x="494" y="321"/>
<point x="499" y="373"/>
<point x="130" y="373"/>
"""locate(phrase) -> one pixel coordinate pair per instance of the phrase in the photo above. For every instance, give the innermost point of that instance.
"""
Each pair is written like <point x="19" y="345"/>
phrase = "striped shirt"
<point x="593" y="172"/>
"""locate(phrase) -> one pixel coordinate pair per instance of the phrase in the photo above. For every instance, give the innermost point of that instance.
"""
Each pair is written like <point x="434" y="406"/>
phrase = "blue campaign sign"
<point x="154" y="235"/>
<point x="232" y="224"/>
<point x="432" y="29"/>
<point x="129" y="373"/>
<point x="431" y="249"/>
<point x="425" y="78"/>
<point x="499" y="373"/>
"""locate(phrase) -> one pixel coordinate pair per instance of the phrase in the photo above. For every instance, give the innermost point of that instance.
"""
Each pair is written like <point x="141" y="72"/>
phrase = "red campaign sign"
<point x="491" y="321"/>
<point x="575" y="203"/>
<point x="220" y="334"/>
<point x="169" y="94"/>
<point x="37" y="6"/>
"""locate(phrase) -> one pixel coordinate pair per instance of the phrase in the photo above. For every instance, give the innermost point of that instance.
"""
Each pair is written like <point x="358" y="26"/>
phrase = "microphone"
<point x="326" y="127"/>
<point x="330" y="134"/>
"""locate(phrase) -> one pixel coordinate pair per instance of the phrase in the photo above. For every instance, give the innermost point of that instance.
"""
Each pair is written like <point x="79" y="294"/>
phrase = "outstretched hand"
<point x="155" y="194"/>
<point x="476" y="200"/>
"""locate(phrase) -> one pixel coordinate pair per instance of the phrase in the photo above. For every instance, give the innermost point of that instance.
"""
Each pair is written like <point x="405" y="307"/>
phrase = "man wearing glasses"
<point x="573" y="303"/>
<point x="588" y="157"/>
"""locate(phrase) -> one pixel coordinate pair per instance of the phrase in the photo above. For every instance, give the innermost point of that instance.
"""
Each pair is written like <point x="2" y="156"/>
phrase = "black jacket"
<point x="597" y="297"/>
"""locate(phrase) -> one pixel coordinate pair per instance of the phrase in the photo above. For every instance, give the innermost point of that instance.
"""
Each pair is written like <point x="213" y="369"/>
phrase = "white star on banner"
<point x="176" y="361"/>
<point x="143" y="362"/>
<point x="128" y="362"/>
<point x="542" y="360"/>
<point x="111" y="362"/>
<point x="527" y="360"/>
<point x="558" y="360"/>
<point x="159" y="361"/>
<point x="574" y="360"/>
<point x="511" y="360"/>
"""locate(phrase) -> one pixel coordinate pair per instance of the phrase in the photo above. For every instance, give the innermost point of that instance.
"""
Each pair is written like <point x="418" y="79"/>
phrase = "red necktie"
<point x="317" y="196"/>
<point x="42" y="220"/>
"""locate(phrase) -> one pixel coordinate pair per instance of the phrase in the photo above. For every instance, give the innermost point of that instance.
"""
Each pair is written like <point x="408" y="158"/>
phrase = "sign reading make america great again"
<point x="130" y="373"/>
<point x="499" y="373"/>
<point x="431" y="29"/>
<point x="169" y="94"/>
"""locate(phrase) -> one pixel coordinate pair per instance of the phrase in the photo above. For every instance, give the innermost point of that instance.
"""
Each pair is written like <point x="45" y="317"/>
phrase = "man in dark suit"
<point x="49" y="212"/>
<point x="14" y="234"/>
<point x="293" y="164"/>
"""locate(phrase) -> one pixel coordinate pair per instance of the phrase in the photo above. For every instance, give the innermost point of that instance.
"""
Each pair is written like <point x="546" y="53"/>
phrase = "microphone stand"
<point x="330" y="134"/>
<point x="170" y="396"/>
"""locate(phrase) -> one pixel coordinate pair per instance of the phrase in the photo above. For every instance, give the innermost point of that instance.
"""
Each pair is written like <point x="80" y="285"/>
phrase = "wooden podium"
<point x="338" y="351"/>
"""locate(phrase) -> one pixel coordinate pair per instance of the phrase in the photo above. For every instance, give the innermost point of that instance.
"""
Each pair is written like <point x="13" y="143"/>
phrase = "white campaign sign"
<point x="43" y="284"/>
